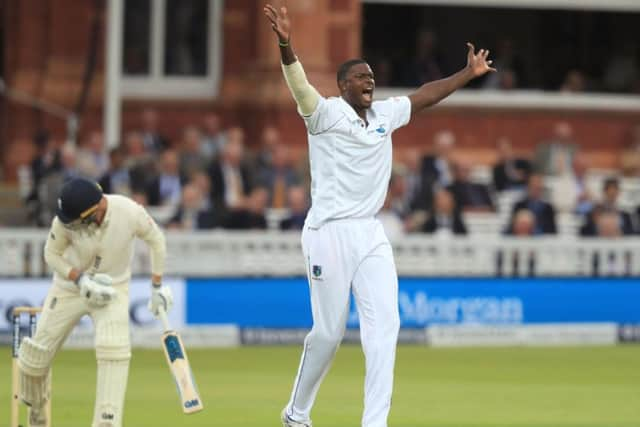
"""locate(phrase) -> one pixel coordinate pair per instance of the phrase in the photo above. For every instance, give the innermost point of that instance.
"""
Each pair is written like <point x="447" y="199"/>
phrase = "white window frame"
<point x="604" y="5"/>
<point x="533" y="98"/>
<point x="157" y="85"/>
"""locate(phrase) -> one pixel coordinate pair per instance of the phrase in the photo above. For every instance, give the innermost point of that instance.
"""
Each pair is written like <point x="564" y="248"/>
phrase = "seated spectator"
<point x="574" y="82"/>
<point x="510" y="172"/>
<point x="203" y="182"/>
<point x="543" y="211"/>
<point x="392" y="223"/>
<point x="397" y="192"/>
<point x="193" y="213"/>
<point x="445" y="217"/>
<point x="555" y="154"/>
<point x="46" y="160"/>
<point x="436" y="167"/>
<point x="230" y="178"/>
<point x="140" y="163"/>
<point x="383" y="70"/>
<point x="92" y="159"/>
<point x="50" y="185"/>
<point x="608" y="225"/>
<point x="524" y="224"/>
<point x="252" y="216"/>
<point x="117" y="180"/>
<point x="153" y="140"/>
<point x="269" y="139"/>
<point x="608" y="205"/>
<point x="212" y="137"/>
<point x="166" y="188"/>
<point x="414" y="194"/>
<point x="622" y="69"/>
<point x="570" y="190"/>
<point x="511" y="68"/>
<point x="425" y="65"/>
<point x="191" y="158"/>
<point x="279" y="176"/>
<point x="469" y="196"/>
<point x="298" y="207"/>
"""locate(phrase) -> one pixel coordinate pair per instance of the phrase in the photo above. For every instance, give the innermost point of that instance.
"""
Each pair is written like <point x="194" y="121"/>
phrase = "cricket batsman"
<point x="344" y="245"/>
<point x="89" y="248"/>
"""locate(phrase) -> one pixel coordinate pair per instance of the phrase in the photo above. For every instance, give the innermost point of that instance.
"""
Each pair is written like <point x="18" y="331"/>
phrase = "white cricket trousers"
<point x="62" y="310"/>
<point x="344" y="256"/>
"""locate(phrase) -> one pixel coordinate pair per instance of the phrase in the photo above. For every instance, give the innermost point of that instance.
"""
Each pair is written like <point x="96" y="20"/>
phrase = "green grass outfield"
<point x="248" y="386"/>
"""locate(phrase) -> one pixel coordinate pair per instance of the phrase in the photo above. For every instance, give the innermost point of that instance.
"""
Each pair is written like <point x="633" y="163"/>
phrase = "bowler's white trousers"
<point x="344" y="256"/>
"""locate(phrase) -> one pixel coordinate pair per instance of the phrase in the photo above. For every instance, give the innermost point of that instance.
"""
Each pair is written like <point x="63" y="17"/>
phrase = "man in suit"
<point x="252" y="215"/>
<point x="469" y="196"/>
<point x="194" y="213"/>
<point x="230" y="179"/>
<point x="279" y="176"/>
<point x="445" y="216"/>
<point x="298" y="207"/>
<point x="117" y="180"/>
<point x="608" y="205"/>
<point x="436" y="167"/>
<point x="543" y="211"/>
<point x="154" y="142"/>
<point x="510" y="172"/>
<point x="166" y="189"/>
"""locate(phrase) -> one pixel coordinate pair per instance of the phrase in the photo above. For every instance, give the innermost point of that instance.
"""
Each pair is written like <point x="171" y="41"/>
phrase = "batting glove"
<point x="161" y="296"/>
<point x="97" y="290"/>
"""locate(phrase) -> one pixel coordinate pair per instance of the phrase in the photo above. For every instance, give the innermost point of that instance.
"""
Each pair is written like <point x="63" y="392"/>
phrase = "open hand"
<point x="478" y="63"/>
<point x="279" y="22"/>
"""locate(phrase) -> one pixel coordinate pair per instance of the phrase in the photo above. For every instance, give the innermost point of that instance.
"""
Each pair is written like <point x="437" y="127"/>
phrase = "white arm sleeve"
<point x="306" y="96"/>
<point x="148" y="230"/>
<point x="57" y="242"/>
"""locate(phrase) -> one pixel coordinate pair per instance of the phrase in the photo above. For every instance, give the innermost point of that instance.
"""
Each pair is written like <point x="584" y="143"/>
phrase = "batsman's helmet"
<point x="78" y="199"/>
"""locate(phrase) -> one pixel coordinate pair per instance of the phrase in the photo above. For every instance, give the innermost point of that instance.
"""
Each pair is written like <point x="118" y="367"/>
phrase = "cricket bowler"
<point x="89" y="249"/>
<point x="344" y="245"/>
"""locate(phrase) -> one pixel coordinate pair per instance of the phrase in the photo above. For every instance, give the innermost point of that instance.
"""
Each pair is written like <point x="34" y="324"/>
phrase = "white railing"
<point x="237" y="254"/>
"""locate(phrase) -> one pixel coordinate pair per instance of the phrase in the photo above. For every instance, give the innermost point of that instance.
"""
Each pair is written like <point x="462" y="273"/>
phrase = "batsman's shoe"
<point x="37" y="417"/>
<point x="288" y="422"/>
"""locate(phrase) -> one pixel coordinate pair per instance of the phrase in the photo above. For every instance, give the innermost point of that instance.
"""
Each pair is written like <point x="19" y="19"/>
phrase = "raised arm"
<point x="306" y="96"/>
<point x="431" y="93"/>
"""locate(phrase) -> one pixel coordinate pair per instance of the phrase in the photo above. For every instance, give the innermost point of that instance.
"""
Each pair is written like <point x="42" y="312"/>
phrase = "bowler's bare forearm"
<point x="433" y="92"/>
<point x="286" y="52"/>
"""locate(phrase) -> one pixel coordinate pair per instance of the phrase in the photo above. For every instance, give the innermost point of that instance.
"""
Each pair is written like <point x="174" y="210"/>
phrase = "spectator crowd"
<point x="209" y="179"/>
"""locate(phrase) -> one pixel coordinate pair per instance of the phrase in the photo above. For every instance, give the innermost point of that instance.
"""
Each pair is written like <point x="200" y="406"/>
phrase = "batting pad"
<point x="34" y="361"/>
<point x="112" y="339"/>
<point x="111" y="386"/>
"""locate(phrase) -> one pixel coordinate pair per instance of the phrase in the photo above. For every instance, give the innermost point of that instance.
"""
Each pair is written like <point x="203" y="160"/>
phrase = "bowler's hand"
<point x="279" y="22"/>
<point x="478" y="63"/>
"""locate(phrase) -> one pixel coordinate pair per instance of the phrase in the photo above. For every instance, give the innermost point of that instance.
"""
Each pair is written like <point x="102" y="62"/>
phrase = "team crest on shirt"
<point x="316" y="270"/>
<point x="380" y="129"/>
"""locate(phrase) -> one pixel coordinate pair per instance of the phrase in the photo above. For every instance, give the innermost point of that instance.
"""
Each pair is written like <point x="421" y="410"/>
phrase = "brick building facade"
<point x="47" y="42"/>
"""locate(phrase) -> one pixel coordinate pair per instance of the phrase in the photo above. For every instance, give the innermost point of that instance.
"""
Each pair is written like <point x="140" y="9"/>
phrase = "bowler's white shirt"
<point x="350" y="161"/>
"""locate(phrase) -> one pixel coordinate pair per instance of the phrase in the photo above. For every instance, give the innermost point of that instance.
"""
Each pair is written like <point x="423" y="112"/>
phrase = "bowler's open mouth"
<point x="367" y="94"/>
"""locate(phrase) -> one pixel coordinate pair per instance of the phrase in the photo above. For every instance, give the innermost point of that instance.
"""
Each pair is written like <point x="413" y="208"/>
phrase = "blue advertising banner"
<point x="284" y="303"/>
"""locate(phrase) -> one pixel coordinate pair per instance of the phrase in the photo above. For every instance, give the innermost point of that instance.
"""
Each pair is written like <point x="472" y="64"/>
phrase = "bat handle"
<point x="162" y="315"/>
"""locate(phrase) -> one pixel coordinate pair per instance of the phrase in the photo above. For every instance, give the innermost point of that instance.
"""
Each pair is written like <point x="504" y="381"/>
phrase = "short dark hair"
<point x="344" y="68"/>
<point x="612" y="181"/>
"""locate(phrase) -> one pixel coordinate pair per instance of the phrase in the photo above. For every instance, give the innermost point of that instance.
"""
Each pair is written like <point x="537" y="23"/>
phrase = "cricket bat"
<point x="180" y="368"/>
